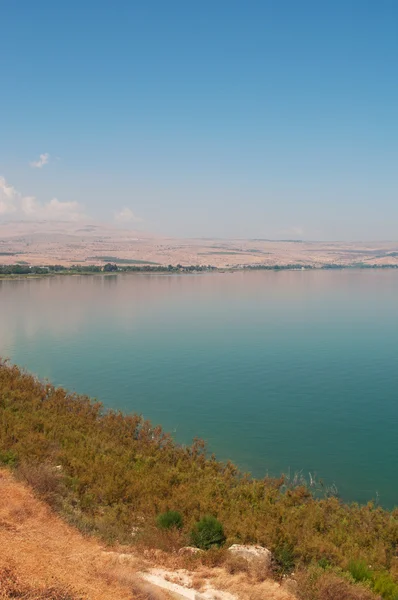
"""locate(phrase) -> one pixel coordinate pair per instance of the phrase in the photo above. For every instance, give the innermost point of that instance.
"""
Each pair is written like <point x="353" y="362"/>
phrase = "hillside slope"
<point x="42" y="557"/>
<point x="112" y="475"/>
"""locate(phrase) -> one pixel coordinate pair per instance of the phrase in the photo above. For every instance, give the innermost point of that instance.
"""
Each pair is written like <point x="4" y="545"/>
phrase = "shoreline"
<point x="180" y="270"/>
<point x="315" y="485"/>
<point x="111" y="474"/>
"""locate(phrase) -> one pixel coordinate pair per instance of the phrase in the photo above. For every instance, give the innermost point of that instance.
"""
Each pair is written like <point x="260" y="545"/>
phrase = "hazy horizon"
<point x="217" y="120"/>
<point x="132" y="227"/>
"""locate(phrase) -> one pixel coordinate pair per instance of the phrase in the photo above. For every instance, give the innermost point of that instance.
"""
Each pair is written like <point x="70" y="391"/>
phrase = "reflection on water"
<point x="275" y="370"/>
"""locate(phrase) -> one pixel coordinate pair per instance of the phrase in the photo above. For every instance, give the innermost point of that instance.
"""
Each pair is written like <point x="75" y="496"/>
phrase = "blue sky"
<point x="225" y="118"/>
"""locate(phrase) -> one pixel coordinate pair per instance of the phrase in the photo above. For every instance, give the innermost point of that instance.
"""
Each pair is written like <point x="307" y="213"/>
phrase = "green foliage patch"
<point x="207" y="533"/>
<point x="170" y="519"/>
<point x="359" y="570"/>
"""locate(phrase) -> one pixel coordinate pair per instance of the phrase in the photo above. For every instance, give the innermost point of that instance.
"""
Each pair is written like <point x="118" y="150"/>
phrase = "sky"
<point x="216" y="118"/>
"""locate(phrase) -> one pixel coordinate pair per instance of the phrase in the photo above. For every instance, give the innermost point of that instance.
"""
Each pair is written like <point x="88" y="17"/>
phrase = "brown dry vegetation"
<point x="42" y="558"/>
<point x="316" y="584"/>
<point x="110" y="474"/>
<point x="12" y="586"/>
<point x="247" y="585"/>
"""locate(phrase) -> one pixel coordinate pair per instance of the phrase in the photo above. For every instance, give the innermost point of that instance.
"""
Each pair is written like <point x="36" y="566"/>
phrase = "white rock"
<point x="211" y="594"/>
<point x="252" y="553"/>
<point x="180" y="583"/>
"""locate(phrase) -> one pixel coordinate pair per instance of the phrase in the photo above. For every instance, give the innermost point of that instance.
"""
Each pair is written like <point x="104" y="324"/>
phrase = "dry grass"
<point x="143" y="591"/>
<point x="245" y="585"/>
<point x="257" y="569"/>
<point x="236" y="564"/>
<point x="12" y="586"/>
<point x="167" y="540"/>
<point x="329" y="586"/>
<point x="41" y="557"/>
<point x="44" y="478"/>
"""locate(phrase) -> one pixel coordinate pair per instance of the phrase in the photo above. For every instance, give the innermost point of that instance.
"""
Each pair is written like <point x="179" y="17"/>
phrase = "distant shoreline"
<point x="21" y="272"/>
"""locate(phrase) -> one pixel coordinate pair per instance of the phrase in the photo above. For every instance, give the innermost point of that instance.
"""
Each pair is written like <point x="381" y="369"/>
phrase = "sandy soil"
<point x="44" y="551"/>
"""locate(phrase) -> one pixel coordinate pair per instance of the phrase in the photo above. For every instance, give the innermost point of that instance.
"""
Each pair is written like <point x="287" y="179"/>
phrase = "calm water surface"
<point x="277" y="371"/>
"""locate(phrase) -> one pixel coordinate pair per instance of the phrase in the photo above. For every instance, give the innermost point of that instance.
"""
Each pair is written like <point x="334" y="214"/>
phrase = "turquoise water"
<point x="276" y="371"/>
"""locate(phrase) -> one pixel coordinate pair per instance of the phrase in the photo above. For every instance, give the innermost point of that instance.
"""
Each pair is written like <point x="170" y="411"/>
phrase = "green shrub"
<point x="8" y="458"/>
<point x="208" y="532"/>
<point x="170" y="519"/>
<point x="284" y="556"/>
<point x="324" y="563"/>
<point x="360" y="571"/>
<point x="384" y="585"/>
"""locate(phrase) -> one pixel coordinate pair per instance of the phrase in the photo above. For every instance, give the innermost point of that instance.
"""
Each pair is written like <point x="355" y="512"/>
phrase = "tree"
<point x="109" y="267"/>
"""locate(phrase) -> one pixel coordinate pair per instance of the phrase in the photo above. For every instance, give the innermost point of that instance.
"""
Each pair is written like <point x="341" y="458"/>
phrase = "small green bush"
<point x="360" y="571"/>
<point x="169" y="520"/>
<point x="384" y="585"/>
<point x="284" y="556"/>
<point x="324" y="563"/>
<point x="8" y="458"/>
<point x="208" y="532"/>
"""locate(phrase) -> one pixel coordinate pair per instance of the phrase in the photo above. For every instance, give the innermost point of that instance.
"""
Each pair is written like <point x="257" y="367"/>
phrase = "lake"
<point x="277" y="371"/>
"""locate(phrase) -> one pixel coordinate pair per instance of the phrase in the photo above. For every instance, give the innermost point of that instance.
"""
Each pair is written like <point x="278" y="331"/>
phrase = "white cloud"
<point x="51" y="211"/>
<point x="8" y="195"/>
<point x="126" y="215"/>
<point x="28" y="207"/>
<point x="43" y="160"/>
